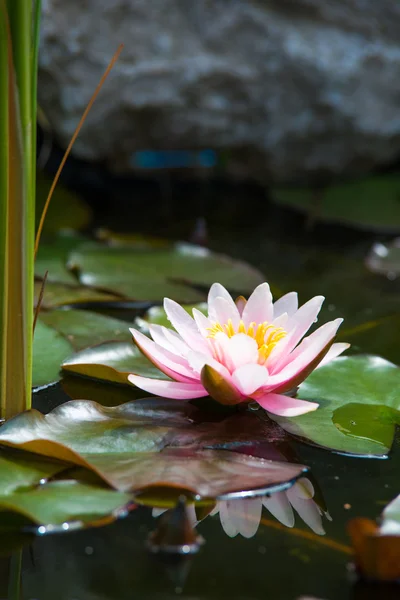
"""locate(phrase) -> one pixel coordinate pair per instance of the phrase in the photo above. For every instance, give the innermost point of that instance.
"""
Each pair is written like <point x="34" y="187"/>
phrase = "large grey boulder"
<point x="294" y="89"/>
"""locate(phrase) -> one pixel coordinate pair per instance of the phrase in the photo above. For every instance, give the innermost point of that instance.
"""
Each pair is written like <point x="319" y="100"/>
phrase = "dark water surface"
<point x="277" y="562"/>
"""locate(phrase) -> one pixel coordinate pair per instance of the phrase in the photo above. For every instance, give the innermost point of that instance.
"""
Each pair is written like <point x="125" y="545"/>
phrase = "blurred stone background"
<point x="290" y="90"/>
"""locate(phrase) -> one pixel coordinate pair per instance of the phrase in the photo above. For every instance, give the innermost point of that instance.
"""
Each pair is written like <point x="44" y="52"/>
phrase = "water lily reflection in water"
<point x="245" y="350"/>
<point x="243" y="516"/>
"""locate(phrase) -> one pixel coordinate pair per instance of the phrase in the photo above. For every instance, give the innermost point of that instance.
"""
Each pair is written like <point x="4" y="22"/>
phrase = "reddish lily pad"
<point x="122" y="446"/>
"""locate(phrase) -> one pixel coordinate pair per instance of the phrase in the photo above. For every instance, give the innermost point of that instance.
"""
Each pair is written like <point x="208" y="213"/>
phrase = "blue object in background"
<point x="174" y="159"/>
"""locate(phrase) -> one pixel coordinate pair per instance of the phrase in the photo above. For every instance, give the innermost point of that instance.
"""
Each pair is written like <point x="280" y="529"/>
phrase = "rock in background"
<point x="295" y="90"/>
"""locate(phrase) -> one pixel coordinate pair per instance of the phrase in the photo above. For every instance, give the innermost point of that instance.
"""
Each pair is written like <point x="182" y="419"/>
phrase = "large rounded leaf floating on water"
<point x="359" y="399"/>
<point x="176" y="272"/>
<point x="129" y="447"/>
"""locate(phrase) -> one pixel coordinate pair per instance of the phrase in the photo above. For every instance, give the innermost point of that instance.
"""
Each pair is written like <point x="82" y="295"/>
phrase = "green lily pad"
<point x="62" y="294"/>
<point x="66" y="210"/>
<point x="60" y="333"/>
<point x="122" y="445"/>
<point x="111" y="362"/>
<point x="50" y="349"/>
<point x="25" y="492"/>
<point x="84" y="328"/>
<point x="359" y="406"/>
<point x="52" y="257"/>
<point x="154" y="274"/>
<point x="370" y="203"/>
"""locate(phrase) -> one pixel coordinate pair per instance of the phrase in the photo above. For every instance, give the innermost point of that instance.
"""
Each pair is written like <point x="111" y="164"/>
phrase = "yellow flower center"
<point x="266" y="335"/>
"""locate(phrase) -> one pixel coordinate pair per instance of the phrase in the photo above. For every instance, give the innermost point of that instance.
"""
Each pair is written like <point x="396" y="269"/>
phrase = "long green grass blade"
<point x="18" y="224"/>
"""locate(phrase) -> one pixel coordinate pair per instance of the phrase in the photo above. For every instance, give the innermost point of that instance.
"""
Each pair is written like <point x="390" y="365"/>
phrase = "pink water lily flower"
<point x="252" y="350"/>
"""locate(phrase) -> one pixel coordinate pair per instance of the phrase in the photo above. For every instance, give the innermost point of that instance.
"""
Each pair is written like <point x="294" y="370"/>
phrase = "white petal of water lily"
<point x="203" y="323"/>
<point x="225" y="516"/>
<point x="284" y="406"/>
<point x="168" y="389"/>
<point x="259" y="306"/>
<point x="171" y="364"/>
<point x="296" y="327"/>
<point x="218" y="291"/>
<point x="334" y="351"/>
<point x="236" y="351"/>
<point x="224" y="311"/>
<point x="280" y="507"/>
<point x="307" y="510"/>
<point x="249" y="378"/>
<point x="168" y="339"/>
<point x="308" y="350"/>
<point x="240" y="516"/>
<point x="247" y="513"/>
<point x="281" y="321"/>
<point x="197" y="360"/>
<point x="184" y="325"/>
<point x="304" y="488"/>
<point x="287" y="304"/>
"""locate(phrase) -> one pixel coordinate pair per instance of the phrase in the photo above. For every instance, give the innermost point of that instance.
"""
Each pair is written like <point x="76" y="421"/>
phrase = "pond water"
<point x="276" y="562"/>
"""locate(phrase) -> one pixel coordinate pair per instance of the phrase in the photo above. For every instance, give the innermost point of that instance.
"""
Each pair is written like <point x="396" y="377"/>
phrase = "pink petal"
<point x="305" y="353"/>
<point x="172" y="365"/>
<point x="247" y="515"/>
<point x="303" y="488"/>
<point x="259" y="306"/>
<point x="168" y="339"/>
<point x="287" y="304"/>
<point x="236" y="351"/>
<point x="279" y="506"/>
<point x="197" y="360"/>
<point x="228" y="523"/>
<point x="218" y="291"/>
<point x="203" y="323"/>
<point x="307" y="510"/>
<point x="168" y="389"/>
<point x="281" y="321"/>
<point x="184" y="325"/>
<point x="284" y="406"/>
<point x="333" y="352"/>
<point x="249" y="378"/>
<point x="223" y="311"/>
<point x="297" y="327"/>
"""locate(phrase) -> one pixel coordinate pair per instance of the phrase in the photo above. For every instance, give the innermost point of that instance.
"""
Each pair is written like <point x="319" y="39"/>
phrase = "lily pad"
<point x="370" y="203"/>
<point x="154" y="274"/>
<point x="359" y="406"/>
<point x="60" y="333"/>
<point x="52" y="257"/>
<point x="111" y="362"/>
<point x="122" y="445"/>
<point x="24" y="491"/>
<point x="50" y="349"/>
<point x="58" y="294"/>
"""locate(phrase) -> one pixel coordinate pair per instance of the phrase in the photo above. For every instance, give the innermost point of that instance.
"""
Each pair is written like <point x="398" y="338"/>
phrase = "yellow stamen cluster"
<point x="266" y="335"/>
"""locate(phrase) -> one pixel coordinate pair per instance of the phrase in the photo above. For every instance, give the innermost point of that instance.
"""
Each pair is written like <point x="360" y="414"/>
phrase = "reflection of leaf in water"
<point x="359" y="406"/>
<point x="122" y="446"/>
